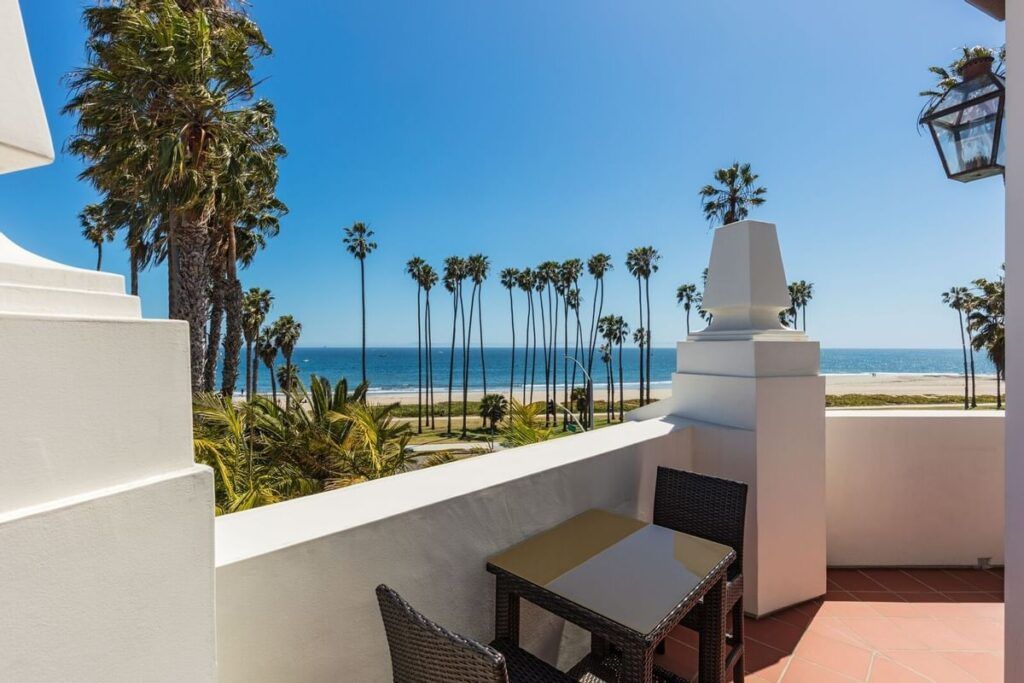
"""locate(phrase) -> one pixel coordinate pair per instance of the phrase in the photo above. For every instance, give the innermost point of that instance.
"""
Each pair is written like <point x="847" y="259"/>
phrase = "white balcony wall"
<point x="295" y="581"/>
<point x="914" y="487"/>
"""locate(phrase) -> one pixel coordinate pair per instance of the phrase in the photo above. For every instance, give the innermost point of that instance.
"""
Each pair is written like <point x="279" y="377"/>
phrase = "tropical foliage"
<point x="981" y="318"/>
<point x="731" y="199"/>
<point x="326" y="437"/>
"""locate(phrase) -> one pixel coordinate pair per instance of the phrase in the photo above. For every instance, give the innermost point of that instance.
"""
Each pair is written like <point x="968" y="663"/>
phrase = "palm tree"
<point x="597" y="265"/>
<point x="493" y="408"/>
<point x="606" y="358"/>
<point x="358" y="243"/>
<point x="988" y="321"/>
<point x="96" y="229"/>
<point x="157" y="103"/>
<point x="794" y="304"/>
<point x="616" y="331"/>
<point x="956" y="298"/>
<point x="509" y="280"/>
<point x="731" y="199"/>
<point x="568" y="280"/>
<point x="255" y="307"/>
<point x="414" y="267"/>
<point x="266" y="351"/>
<point x="286" y="332"/>
<point x="454" y="273"/>
<point x="687" y="296"/>
<point x="546" y="277"/>
<point x="641" y="262"/>
<point x="806" y="294"/>
<point x="970" y="305"/>
<point x="525" y="282"/>
<point x="427" y="280"/>
<point x="640" y="338"/>
<point x="477" y="267"/>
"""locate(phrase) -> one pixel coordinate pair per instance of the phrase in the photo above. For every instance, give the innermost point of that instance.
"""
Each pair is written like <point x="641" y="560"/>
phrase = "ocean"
<point x="395" y="369"/>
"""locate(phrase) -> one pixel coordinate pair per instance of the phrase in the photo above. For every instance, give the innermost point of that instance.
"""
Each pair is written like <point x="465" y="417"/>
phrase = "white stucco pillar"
<point x="1014" y="344"/>
<point x="747" y="372"/>
<point x="106" y="523"/>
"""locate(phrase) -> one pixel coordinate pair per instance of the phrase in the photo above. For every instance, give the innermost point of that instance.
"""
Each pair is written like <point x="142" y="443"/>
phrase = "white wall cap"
<point x="32" y="284"/>
<point x="746" y="286"/>
<point x="24" y="134"/>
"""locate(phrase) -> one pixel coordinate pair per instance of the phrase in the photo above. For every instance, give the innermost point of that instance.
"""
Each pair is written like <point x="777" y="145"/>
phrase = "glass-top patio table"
<point x="627" y="582"/>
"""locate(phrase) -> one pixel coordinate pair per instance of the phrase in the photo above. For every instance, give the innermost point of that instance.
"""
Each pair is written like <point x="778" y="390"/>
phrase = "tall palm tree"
<point x="641" y="262"/>
<point x="620" y="333"/>
<point x="157" y="103"/>
<point x="568" y="279"/>
<point x="477" y="267"/>
<point x="266" y="351"/>
<point x="414" y="267"/>
<point x="792" y="314"/>
<point x="454" y="274"/>
<point x="358" y="242"/>
<point x="606" y="358"/>
<point x="687" y="295"/>
<point x="971" y="303"/>
<point x="988" y="321"/>
<point x="427" y="280"/>
<point x="956" y="298"/>
<point x="509" y="279"/>
<point x="806" y="294"/>
<point x="255" y="307"/>
<point x="547" y="276"/>
<point x="597" y="265"/>
<point x="286" y="335"/>
<point x="640" y="338"/>
<point x="731" y="199"/>
<point x="96" y="228"/>
<point x="525" y="282"/>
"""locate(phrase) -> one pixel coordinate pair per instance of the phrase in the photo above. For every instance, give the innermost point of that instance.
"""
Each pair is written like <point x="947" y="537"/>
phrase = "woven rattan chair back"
<point x="704" y="506"/>
<point x="425" y="652"/>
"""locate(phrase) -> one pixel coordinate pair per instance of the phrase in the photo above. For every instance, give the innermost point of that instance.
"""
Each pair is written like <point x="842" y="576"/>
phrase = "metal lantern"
<point x="967" y="123"/>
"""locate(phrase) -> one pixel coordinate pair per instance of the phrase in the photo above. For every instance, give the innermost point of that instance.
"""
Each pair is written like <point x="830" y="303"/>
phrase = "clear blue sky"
<point x="533" y="130"/>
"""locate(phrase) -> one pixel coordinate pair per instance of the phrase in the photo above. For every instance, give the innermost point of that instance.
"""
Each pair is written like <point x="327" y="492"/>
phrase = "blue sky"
<point x="534" y="130"/>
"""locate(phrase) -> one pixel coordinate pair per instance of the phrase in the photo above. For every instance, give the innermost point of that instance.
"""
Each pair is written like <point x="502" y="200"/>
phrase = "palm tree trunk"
<point x="512" y="371"/>
<point x="526" y="342"/>
<point x="248" y="370"/>
<point x="213" y="336"/>
<point x="649" y="340"/>
<point x="621" y="411"/>
<point x="609" y="408"/>
<point x="135" y="270"/>
<point x="533" y="369"/>
<point x="430" y="364"/>
<point x="592" y="335"/>
<point x="362" y="289"/>
<point x="192" y="274"/>
<point x="970" y="351"/>
<point x="547" y="365"/>
<point x="687" y="322"/>
<point x="803" y="315"/>
<point x="565" y="363"/>
<point x="99" y="255"/>
<point x="554" y="355"/>
<point x="288" y="387"/>
<point x="999" y="393"/>
<point x="480" y="333"/>
<point x="273" y="383"/>
<point x="465" y="357"/>
<point x="640" y="301"/>
<point x="451" y="362"/>
<point x="963" y="345"/>
<point x="232" y="336"/>
<point x="419" y="361"/>
<point x="255" y="375"/>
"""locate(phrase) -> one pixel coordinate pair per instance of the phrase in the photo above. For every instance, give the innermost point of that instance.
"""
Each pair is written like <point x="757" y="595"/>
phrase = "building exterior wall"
<point x="1015" y="345"/>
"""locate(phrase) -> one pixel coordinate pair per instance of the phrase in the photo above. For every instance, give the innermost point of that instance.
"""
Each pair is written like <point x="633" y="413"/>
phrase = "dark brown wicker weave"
<point x="714" y="509"/>
<point x="425" y="652"/>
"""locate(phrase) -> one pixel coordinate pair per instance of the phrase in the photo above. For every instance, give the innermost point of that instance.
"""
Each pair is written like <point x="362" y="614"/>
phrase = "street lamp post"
<point x="590" y="393"/>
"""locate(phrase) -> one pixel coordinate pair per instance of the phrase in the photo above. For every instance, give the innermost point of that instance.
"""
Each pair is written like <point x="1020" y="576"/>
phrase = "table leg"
<point x="712" y="635"/>
<point x="506" y="612"/>
<point x="638" y="665"/>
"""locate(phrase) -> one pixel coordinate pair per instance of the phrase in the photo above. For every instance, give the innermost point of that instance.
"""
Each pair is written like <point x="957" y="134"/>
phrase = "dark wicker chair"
<point x="714" y="509"/>
<point x="424" y="652"/>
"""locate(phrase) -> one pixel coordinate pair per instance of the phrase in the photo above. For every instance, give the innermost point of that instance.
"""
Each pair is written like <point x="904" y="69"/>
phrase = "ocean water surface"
<point x="395" y="369"/>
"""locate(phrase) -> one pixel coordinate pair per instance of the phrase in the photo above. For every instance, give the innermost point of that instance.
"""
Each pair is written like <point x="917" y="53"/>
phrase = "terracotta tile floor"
<point x="876" y="625"/>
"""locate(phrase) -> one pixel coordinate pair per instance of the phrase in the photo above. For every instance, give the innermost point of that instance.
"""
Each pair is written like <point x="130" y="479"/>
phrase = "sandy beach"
<point x="890" y="384"/>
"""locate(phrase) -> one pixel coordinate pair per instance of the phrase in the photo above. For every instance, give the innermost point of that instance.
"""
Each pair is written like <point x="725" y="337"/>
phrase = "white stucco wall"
<point x="1015" y="344"/>
<point x="295" y="580"/>
<point x="914" y="487"/>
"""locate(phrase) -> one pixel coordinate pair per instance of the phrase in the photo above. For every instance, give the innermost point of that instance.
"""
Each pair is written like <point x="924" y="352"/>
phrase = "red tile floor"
<point x="876" y="625"/>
